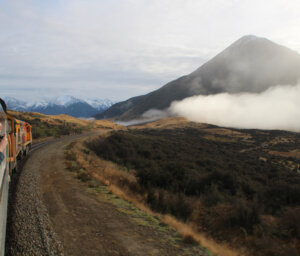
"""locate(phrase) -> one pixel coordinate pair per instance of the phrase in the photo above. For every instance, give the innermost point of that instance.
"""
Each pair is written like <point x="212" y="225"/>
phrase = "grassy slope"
<point x="229" y="183"/>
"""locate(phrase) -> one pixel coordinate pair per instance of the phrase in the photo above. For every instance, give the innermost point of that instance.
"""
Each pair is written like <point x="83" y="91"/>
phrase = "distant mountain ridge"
<point x="61" y="105"/>
<point x="251" y="64"/>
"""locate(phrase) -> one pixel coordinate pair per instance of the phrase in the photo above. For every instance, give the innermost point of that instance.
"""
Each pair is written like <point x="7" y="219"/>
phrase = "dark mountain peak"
<point x="255" y="45"/>
<point x="249" y="38"/>
<point x="249" y="41"/>
<point x="250" y="64"/>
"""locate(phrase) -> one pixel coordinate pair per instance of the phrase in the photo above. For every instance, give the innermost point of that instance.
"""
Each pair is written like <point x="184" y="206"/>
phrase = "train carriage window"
<point x="19" y="135"/>
<point x="2" y="112"/>
<point x="2" y="133"/>
<point x="2" y="120"/>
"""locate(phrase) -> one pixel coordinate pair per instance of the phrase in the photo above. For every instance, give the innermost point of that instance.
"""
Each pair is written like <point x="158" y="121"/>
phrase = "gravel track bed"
<point x="29" y="230"/>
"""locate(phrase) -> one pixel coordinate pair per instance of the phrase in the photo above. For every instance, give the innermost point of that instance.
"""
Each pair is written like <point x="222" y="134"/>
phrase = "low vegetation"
<point x="226" y="182"/>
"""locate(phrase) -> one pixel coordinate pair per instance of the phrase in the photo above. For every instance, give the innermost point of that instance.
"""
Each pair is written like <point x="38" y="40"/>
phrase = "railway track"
<point x="27" y="213"/>
<point x="41" y="144"/>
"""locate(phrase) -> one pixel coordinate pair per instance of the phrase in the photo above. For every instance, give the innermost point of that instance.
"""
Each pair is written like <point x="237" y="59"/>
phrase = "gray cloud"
<point x="127" y="45"/>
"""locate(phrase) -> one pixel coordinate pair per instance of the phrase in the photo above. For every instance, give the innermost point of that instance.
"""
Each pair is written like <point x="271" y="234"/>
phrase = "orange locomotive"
<point x="20" y="140"/>
<point x="15" y="141"/>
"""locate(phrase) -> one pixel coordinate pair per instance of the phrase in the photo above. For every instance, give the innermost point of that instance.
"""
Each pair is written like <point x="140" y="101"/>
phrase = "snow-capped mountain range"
<point x="65" y="104"/>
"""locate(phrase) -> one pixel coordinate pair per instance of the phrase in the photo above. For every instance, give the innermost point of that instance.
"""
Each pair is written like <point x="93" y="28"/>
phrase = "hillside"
<point x="251" y="64"/>
<point x="238" y="186"/>
<point x="58" y="125"/>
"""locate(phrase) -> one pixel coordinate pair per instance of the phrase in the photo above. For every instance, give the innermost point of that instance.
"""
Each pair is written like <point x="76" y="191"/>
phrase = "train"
<point x="19" y="142"/>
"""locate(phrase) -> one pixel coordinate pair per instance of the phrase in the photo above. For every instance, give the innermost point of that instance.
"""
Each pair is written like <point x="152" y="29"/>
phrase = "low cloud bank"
<point x="87" y="118"/>
<point x="276" y="108"/>
<point x="149" y="116"/>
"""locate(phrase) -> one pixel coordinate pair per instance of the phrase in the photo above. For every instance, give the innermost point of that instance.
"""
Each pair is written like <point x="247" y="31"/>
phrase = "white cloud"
<point x="276" y="108"/>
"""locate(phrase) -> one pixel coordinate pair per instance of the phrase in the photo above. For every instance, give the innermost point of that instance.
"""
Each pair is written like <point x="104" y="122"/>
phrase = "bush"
<point x="244" y="215"/>
<point x="289" y="223"/>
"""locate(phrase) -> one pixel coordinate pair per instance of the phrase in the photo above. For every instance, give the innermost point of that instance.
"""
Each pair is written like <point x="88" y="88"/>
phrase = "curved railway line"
<point x="28" y="228"/>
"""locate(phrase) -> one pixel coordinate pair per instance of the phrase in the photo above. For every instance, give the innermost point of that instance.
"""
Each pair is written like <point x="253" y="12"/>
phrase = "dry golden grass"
<point x="108" y="173"/>
<point x="295" y="154"/>
<point x="221" y="139"/>
<point x="61" y="119"/>
<point x="84" y="122"/>
<point x="168" y="123"/>
<point x="227" y="132"/>
<point x="181" y="122"/>
<point x="281" y="139"/>
<point x="188" y="233"/>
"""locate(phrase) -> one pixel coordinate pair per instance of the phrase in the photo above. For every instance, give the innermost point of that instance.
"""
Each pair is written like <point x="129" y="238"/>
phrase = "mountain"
<point x="13" y="103"/>
<point x="251" y="64"/>
<point x="61" y="105"/>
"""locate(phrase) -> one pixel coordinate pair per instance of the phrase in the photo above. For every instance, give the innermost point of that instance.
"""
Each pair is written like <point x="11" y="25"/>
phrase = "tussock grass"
<point x="189" y="235"/>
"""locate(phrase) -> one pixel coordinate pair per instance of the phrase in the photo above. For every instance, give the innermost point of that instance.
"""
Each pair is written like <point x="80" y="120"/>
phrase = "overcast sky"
<point x="117" y="49"/>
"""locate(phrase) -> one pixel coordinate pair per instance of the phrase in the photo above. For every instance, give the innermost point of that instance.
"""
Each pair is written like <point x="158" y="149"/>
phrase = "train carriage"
<point x="4" y="181"/>
<point x="19" y="140"/>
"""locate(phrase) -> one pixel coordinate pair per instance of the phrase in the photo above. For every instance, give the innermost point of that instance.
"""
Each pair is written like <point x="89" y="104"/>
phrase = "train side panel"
<point x="18" y="136"/>
<point x="26" y="138"/>
<point x="13" y="142"/>
<point x="4" y="184"/>
<point x="20" y="140"/>
<point x="19" y="143"/>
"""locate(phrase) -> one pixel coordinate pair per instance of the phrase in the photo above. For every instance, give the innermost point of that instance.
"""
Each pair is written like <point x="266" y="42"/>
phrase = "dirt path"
<point x="87" y="225"/>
